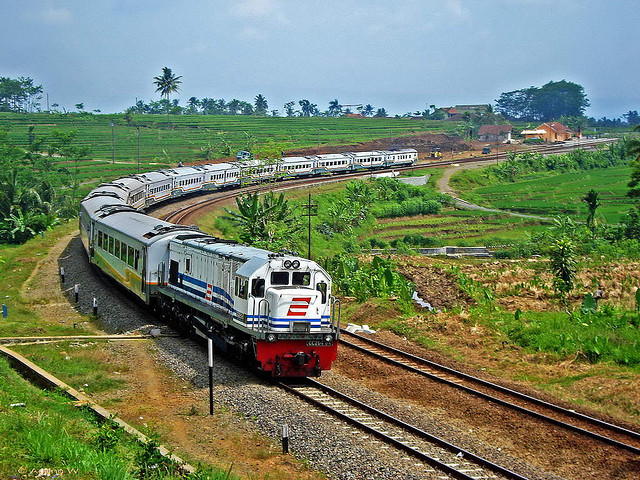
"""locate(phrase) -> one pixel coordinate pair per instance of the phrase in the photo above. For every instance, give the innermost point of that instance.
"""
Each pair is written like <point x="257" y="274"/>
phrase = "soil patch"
<point x="423" y="143"/>
<point x="435" y="286"/>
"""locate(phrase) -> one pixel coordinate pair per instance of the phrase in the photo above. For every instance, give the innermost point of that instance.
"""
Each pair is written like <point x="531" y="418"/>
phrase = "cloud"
<point x="255" y="8"/>
<point x="56" y="16"/>
<point x="456" y="8"/>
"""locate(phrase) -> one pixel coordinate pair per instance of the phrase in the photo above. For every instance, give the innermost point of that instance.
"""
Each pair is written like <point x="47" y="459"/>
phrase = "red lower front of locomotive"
<point x="294" y="358"/>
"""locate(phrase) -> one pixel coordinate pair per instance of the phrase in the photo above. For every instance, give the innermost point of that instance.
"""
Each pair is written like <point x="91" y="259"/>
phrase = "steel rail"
<point x="396" y="442"/>
<point x="500" y="388"/>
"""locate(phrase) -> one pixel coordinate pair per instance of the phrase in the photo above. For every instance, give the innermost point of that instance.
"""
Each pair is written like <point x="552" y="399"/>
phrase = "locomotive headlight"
<point x="328" y="338"/>
<point x="287" y="264"/>
<point x="295" y="264"/>
<point x="271" y="337"/>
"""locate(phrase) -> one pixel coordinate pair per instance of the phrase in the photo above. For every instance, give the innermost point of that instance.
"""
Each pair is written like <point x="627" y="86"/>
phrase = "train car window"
<point x="187" y="265"/>
<point x="241" y="288"/>
<point x="136" y="259"/>
<point x="279" y="278"/>
<point x="116" y="251"/>
<point x="257" y="287"/>
<point x="301" y="278"/>
<point x="99" y="238"/>
<point x="110" y="244"/>
<point x="322" y="288"/>
<point x="123" y="252"/>
<point x="130" y="256"/>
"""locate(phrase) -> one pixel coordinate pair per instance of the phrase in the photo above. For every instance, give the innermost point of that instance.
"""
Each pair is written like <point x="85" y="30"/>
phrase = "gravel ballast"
<point x="325" y="443"/>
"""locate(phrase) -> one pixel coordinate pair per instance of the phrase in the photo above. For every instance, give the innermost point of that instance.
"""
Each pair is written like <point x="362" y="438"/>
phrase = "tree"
<point x="381" y="112"/>
<point x="633" y="149"/>
<point x="234" y="106"/>
<point x="632" y="117"/>
<point x="563" y="265"/>
<point x="261" y="105"/>
<point x="193" y="104"/>
<point x="367" y="110"/>
<point x="270" y="223"/>
<point x="288" y="108"/>
<point x="167" y="83"/>
<point x="335" y="109"/>
<point x="592" y="201"/>
<point x="551" y="101"/>
<point x="308" y="108"/>
<point x="19" y="95"/>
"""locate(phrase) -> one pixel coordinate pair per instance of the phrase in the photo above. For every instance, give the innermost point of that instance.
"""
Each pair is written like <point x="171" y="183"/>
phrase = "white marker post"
<point x="210" y="344"/>
<point x="285" y="439"/>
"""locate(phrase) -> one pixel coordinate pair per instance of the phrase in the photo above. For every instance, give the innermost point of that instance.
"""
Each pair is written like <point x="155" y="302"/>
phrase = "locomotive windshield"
<point x="301" y="278"/>
<point x="297" y="278"/>
<point x="279" y="278"/>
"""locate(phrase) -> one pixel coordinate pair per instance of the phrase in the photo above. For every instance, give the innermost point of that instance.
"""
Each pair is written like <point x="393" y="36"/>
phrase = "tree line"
<point x="35" y="194"/>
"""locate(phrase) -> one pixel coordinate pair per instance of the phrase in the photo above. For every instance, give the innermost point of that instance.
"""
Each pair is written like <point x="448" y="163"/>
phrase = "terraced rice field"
<point x="459" y="228"/>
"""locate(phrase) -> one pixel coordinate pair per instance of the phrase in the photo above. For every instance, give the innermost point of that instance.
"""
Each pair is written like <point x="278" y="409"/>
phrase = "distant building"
<point x="495" y="133"/>
<point x="451" y="112"/>
<point x="551" y="132"/>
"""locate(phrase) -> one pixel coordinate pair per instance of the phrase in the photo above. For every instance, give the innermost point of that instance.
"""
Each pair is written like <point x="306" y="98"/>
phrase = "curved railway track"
<point x="420" y="445"/>
<point x="568" y="419"/>
<point x="181" y="215"/>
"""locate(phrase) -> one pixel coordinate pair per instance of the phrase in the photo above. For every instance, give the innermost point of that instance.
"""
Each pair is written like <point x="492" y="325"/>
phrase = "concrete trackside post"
<point x="210" y="348"/>
<point x="285" y="439"/>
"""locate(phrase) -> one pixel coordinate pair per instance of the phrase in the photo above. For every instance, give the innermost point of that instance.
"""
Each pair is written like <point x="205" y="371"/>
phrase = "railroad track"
<point x="182" y="214"/>
<point x="595" y="428"/>
<point x="431" y="450"/>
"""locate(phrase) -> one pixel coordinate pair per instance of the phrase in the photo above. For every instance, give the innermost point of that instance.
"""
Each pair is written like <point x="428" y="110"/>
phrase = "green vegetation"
<point x="17" y="266"/>
<point x="34" y="193"/>
<point x="363" y="281"/>
<point x="554" y="184"/>
<point x="551" y="101"/>
<point x="268" y="223"/>
<point x="609" y="334"/>
<point x="168" y="139"/>
<point x="41" y="432"/>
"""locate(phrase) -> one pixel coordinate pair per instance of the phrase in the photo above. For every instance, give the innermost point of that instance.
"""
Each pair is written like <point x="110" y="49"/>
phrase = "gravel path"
<point x="328" y="445"/>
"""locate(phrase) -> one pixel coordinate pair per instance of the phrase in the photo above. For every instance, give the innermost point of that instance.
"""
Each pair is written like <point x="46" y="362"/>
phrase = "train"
<point x="272" y="310"/>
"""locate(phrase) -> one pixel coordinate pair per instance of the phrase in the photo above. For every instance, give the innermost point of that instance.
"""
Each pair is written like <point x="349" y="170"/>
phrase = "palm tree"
<point x="167" y="83"/>
<point x="308" y="108"/>
<point x="367" y="110"/>
<point x="335" y="108"/>
<point x="261" y="105"/>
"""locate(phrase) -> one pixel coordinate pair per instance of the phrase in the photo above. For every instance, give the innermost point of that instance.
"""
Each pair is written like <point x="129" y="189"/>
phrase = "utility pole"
<point x="113" y="142"/>
<point x="311" y="211"/>
<point x="138" y="128"/>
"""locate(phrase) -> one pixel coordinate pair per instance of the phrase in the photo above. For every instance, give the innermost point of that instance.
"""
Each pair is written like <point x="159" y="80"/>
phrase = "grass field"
<point x="173" y="138"/>
<point x="551" y="194"/>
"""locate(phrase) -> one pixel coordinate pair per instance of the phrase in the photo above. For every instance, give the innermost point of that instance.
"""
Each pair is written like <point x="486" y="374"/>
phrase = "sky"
<point x="398" y="54"/>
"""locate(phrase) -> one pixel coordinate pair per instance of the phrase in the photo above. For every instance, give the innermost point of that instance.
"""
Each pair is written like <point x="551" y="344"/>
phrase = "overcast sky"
<point x="397" y="54"/>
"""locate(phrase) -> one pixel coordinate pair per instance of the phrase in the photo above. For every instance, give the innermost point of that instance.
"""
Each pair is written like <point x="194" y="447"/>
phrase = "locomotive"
<point x="273" y="310"/>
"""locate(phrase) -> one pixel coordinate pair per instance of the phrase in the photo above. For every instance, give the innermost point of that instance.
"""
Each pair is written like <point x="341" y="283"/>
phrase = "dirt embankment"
<point x="423" y="143"/>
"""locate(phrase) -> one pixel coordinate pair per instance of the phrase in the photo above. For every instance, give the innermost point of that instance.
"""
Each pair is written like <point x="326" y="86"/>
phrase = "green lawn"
<point x="559" y="194"/>
<point x="168" y="139"/>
